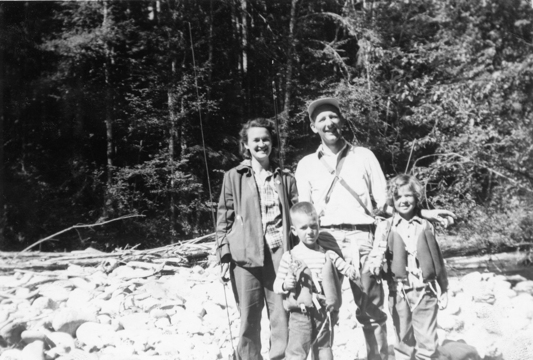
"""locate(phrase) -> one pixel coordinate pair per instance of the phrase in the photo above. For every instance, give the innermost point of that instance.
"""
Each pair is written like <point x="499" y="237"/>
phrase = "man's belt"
<point x="348" y="227"/>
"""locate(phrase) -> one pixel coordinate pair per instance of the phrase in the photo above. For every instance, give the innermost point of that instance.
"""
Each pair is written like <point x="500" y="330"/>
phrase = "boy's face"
<point x="327" y="123"/>
<point x="405" y="202"/>
<point x="306" y="228"/>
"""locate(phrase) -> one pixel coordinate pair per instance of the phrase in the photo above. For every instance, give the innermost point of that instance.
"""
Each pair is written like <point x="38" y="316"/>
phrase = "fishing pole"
<point x="209" y="179"/>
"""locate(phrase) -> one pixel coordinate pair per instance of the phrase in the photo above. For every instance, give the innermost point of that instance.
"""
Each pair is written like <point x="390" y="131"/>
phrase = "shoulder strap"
<point x="337" y="178"/>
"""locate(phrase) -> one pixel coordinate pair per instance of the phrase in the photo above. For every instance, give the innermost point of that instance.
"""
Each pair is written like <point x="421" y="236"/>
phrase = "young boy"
<point x="309" y="277"/>
<point x="414" y="269"/>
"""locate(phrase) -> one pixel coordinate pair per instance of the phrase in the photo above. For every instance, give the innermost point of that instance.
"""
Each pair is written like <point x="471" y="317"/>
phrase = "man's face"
<point x="306" y="228"/>
<point x="328" y="124"/>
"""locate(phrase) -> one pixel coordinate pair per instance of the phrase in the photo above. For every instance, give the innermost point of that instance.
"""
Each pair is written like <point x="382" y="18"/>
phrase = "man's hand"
<point x="444" y="217"/>
<point x="443" y="301"/>
<point x="224" y="267"/>
<point x="290" y="282"/>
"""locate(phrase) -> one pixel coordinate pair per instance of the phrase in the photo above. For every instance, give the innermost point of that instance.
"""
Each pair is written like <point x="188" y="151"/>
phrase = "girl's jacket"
<point x="239" y="232"/>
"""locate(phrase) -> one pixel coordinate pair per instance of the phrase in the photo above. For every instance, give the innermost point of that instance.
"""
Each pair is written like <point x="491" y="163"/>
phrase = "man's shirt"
<point x="362" y="172"/>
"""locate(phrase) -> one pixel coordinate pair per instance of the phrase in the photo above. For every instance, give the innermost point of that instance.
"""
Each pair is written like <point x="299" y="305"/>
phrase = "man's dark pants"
<point x="368" y="294"/>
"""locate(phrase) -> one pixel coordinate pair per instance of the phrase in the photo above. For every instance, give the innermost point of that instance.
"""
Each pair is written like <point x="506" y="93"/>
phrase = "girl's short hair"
<point x="243" y="135"/>
<point x="405" y="180"/>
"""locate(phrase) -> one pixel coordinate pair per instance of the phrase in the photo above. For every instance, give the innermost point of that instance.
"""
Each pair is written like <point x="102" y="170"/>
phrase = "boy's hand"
<point x="290" y="282"/>
<point x="443" y="301"/>
<point x="353" y="273"/>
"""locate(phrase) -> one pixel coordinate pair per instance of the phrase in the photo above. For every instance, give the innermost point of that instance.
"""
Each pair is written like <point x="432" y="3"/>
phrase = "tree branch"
<point x="77" y="227"/>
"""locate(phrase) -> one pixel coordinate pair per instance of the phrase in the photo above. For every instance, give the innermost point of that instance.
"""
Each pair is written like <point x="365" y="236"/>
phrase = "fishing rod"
<point x="209" y="181"/>
<point x="276" y="122"/>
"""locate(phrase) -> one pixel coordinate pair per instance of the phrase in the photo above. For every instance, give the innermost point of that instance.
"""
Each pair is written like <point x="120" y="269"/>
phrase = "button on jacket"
<point x="239" y="227"/>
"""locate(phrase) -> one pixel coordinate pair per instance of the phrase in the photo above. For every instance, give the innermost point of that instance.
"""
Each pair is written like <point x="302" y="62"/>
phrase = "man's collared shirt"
<point x="362" y="172"/>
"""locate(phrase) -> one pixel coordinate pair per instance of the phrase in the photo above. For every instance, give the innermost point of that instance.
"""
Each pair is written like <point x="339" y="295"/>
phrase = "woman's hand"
<point x="444" y="217"/>
<point x="224" y="267"/>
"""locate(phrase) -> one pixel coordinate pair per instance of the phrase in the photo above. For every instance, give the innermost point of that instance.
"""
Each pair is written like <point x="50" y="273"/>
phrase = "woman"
<point x="253" y="229"/>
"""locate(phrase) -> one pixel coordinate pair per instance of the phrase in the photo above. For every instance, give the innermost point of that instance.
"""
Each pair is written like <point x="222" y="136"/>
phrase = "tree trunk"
<point x="2" y="165"/>
<point x="288" y="85"/>
<point x="172" y="144"/>
<point x="245" y="74"/>
<point x="108" y="107"/>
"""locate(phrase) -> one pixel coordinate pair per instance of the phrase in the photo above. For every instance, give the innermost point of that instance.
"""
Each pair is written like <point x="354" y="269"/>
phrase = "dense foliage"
<point x="103" y="106"/>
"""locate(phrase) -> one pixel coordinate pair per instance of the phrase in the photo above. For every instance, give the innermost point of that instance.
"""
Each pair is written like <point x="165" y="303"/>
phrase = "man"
<point x="346" y="183"/>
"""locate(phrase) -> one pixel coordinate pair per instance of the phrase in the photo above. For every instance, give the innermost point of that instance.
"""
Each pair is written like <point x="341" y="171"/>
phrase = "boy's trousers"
<point x="416" y="330"/>
<point x="253" y="287"/>
<point x="368" y="293"/>
<point x="305" y="329"/>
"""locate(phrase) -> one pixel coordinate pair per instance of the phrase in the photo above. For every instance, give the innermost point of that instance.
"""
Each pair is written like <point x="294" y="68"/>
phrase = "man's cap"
<point x="324" y="101"/>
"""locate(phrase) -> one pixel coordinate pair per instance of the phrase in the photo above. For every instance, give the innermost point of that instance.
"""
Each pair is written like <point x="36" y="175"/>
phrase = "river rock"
<point x="29" y="336"/>
<point x="524" y="286"/>
<point x="60" y="341"/>
<point x="34" y="351"/>
<point x="58" y="291"/>
<point x="12" y="354"/>
<point x="11" y="333"/>
<point x="42" y="303"/>
<point x="134" y="321"/>
<point x="95" y="335"/>
<point x="68" y="320"/>
<point x="79" y="298"/>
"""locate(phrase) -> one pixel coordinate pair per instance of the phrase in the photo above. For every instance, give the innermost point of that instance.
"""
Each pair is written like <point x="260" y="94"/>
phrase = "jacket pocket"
<point x="236" y="241"/>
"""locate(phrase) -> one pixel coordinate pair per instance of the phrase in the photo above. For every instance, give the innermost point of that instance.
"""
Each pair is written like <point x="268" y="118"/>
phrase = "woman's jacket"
<point x="240" y="236"/>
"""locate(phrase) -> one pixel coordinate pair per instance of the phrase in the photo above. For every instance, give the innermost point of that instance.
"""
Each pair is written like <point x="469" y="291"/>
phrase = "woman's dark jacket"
<point x="239" y="232"/>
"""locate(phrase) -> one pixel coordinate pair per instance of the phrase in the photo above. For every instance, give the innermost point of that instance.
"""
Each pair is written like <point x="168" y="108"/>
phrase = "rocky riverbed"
<point x="133" y="313"/>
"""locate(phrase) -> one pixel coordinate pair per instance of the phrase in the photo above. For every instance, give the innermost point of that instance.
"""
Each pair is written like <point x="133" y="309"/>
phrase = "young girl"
<point x="414" y="269"/>
<point x="253" y="228"/>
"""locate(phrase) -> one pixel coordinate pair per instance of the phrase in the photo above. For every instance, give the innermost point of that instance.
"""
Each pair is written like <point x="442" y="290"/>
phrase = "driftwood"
<point x="165" y="258"/>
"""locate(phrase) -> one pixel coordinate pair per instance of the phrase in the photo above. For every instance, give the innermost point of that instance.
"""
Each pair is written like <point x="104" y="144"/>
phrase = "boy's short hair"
<point x="405" y="180"/>
<point x="303" y="207"/>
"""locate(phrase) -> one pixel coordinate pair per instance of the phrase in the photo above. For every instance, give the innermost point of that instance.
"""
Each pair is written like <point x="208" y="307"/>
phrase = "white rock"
<point x="79" y="298"/>
<point x="83" y="284"/>
<point x="95" y="335"/>
<point x="449" y="322"/>
<point x="12" y="354"/>
<point x="134" y="321"/>
<point x="524" y="286"/>
<point x="34" y="351"/>
<point x="68" y="320"/>
<point x="42" y="303"/>
<point x="29" y="336"/>
<point x="62" y="342"/>
<point x="57" y="291"/>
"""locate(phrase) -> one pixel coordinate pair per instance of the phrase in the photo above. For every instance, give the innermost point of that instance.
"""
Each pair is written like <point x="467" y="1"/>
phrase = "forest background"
<point x="101" y="117"/>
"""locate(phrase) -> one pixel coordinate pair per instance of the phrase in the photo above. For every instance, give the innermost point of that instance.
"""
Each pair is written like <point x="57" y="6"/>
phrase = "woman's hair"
<point x="405" y="180"/>
<point x="243" y="135"/>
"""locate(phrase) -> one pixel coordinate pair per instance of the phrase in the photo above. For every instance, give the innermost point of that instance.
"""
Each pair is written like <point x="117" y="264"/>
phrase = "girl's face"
<point x="405" y="202"/>
<point x="259" y="143"/>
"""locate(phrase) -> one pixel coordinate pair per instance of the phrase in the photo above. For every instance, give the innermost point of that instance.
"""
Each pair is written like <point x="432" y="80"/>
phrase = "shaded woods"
<point x="100" y="116"/>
